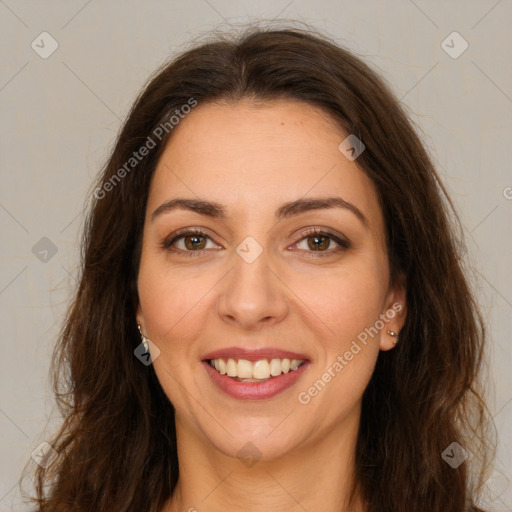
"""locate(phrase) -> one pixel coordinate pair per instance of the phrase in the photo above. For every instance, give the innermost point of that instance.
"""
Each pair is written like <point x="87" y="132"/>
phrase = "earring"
<point x="395" y="335"/>
<point x="144" y="339"/>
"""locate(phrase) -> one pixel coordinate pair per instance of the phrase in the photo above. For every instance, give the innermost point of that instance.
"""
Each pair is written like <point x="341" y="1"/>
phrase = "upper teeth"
<point x="261" y="369"/>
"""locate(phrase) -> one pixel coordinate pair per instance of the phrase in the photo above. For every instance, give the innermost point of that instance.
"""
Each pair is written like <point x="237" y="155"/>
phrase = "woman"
<point x="272" y="313"/>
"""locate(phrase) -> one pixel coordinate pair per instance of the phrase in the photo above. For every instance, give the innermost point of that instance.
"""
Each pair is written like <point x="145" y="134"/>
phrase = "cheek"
<point x="347" y="307"/>
<point x="173" y="303"/>
<point x="175" y="306"/>
<point x="345" y="302"/>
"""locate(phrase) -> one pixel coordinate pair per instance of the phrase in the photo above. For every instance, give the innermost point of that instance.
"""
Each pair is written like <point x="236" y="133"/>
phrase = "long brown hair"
<point x="117" y="445"/>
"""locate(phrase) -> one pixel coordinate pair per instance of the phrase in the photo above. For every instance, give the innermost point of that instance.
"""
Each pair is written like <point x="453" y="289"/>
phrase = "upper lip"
<point x="253" y="355"/>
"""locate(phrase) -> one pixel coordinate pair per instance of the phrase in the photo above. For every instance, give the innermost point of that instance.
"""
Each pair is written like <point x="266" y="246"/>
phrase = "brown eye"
<point x="194" y="242"/>
<point x="191" y="241"/>
<point x="319" y="242"/>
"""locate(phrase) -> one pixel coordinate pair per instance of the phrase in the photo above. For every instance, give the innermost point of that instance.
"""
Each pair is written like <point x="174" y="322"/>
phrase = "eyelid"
<point x="182" y="233"/>
<point x="310" y="231"/>
<point x="341" y="240"/>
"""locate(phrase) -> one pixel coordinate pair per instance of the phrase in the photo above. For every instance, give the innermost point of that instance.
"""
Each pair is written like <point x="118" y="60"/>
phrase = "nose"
<point x="253" y="295"/>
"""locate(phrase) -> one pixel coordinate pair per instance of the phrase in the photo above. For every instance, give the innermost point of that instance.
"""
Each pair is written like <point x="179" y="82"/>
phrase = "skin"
<point x="252" y="158"/>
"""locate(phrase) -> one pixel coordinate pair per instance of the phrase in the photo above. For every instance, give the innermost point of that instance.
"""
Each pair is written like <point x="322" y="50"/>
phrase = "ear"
<point x="394" y="314"/>
<point x="139" y="316"/>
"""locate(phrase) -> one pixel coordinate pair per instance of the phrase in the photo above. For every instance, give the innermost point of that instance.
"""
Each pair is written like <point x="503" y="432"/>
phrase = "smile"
<point x="254" y="374"/>
<point x="255" y="371"/>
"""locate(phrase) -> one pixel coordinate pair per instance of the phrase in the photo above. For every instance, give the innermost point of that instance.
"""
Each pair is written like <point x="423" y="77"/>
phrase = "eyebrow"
<point x="285" y="211"/>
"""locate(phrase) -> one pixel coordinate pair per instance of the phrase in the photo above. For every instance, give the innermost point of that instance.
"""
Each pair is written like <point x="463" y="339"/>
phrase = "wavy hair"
<point x="117" y="441"/>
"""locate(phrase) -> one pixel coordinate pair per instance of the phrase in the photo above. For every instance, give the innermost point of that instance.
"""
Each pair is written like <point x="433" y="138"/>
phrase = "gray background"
<point x="60" y="116"/>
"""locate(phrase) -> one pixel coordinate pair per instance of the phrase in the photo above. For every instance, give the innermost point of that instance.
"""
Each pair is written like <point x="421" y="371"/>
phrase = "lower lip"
<point x="255" y="390"/>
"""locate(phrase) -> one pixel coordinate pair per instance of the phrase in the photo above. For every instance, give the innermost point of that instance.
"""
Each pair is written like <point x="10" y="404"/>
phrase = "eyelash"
<point x="314" y="232"/>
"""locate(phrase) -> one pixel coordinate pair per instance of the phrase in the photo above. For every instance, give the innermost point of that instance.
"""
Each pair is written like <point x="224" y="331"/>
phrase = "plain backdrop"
<point x="60" y="114"/>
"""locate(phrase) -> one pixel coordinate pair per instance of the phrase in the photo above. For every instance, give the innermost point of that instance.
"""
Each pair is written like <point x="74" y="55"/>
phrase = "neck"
<point x="317" y="476"/>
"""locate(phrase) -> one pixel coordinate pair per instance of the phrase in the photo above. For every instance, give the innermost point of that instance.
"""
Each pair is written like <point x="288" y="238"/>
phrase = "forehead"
<point x="258" y="156"/>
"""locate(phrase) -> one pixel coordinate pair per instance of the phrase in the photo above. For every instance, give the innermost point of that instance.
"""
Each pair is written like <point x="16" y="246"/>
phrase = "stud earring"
<point x="144" y="339"/>
<point x="395" y="335"/>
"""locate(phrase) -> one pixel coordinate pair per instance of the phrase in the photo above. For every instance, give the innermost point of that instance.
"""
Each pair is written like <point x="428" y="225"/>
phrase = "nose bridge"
<point x="253" y="293"/>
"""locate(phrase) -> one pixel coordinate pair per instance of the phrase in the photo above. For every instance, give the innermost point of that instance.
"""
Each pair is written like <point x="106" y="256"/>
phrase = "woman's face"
<point x="257" y="285"/>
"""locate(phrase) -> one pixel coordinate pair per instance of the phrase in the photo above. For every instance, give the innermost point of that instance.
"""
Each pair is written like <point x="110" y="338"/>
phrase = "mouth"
<point x="243" y="370"/>
<point x="256" y="374"/>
